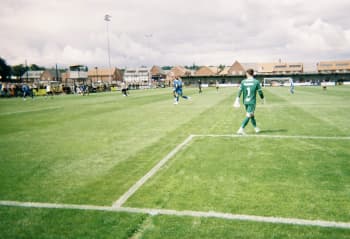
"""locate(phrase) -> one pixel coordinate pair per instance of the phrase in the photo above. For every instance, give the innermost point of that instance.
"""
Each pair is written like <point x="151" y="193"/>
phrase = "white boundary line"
<point x="139" y="183"/>
<point x="54" y="205"/>
<point x="229" y="216"/>
<point x="152" y="212"/>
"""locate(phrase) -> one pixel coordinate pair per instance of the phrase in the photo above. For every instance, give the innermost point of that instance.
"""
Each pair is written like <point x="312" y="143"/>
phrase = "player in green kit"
<point x="249" y="87"/>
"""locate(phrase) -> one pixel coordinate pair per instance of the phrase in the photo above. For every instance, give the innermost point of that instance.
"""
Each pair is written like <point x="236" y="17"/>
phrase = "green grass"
<point x="170" y="227"/>
<point x="92" y="149"/>
<point x="267" y="177"/>
<point x="53" y="223"/>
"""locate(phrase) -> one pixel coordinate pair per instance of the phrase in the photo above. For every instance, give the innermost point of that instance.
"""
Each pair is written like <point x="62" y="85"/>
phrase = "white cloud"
<point x="320" y="39"/>
<point x="173" y="32"/>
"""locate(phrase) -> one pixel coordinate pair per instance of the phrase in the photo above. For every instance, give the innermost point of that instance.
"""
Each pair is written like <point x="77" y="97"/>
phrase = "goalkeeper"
<point x="249" y="87"/>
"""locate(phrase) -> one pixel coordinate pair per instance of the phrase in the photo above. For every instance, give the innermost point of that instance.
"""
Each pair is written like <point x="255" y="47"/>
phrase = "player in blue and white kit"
<point x="291" y="87"/>
<point x="26" y="91"/>
<point x="177" y="91"/>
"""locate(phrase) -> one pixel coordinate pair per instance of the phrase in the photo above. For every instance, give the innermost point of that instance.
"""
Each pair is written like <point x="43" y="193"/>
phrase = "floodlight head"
<point x="107" y="17"/>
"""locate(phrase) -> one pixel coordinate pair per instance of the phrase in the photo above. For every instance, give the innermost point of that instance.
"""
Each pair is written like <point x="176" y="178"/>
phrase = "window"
<point x="342" y="64"/>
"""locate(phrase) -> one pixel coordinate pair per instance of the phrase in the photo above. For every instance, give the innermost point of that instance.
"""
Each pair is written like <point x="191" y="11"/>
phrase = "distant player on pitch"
<point x="291" y="87"/>
<point x="249" y="87"/>
<point x="177" y="91"/>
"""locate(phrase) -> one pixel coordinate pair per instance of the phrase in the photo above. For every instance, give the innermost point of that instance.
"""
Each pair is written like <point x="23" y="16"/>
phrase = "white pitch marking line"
<point x="274" y="136"/>
<point x="54" y="205"/>
<point x="147" y="176"/>
<point x="227" y="216"/>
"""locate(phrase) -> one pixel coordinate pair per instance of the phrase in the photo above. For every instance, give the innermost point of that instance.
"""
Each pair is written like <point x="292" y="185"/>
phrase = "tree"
<point x="193" y="67"/>
<point x="19" y="70"/>
<point x="221" y="67"/>
<point x="166" y="67"/>
<point x="5" y="70"/>
<point x="35" y="67"/>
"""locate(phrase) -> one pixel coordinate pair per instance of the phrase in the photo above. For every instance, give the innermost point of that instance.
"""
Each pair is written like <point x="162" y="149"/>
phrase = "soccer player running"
<point x="199" y="86"/>
<point x="249" y="87"/>
<point x="291" y="87"/>
<point x="177" y="91"/>
<point x="26" y="91"/>
<point x="49" y="90"/>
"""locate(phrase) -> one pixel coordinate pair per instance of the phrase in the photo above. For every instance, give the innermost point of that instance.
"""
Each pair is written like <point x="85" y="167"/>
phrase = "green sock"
<point x="253" y="121"/>
<point x="245" y="122"/>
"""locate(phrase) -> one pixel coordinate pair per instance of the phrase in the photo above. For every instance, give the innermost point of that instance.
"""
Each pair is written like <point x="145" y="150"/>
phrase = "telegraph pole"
<point x="108" y="19"/>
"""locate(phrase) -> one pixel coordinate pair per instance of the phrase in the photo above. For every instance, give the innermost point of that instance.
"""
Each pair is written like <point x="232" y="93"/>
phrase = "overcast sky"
<point x="169" y="32"/>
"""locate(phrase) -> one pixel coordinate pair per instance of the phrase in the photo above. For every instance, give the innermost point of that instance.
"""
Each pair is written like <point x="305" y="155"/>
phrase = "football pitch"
<point x="108" y="166"/>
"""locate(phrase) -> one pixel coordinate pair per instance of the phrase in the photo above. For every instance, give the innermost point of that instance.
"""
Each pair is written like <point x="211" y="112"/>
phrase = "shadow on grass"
<point x="267" y="131"/>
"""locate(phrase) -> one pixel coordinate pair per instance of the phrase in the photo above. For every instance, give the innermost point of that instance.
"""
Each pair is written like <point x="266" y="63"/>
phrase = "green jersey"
<point x="249" y="87"/>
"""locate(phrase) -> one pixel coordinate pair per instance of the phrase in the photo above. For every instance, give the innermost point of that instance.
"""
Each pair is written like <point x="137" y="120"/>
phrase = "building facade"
<point x="280" y="68"/>
<point x="32" y="76"/>
<point x="138" y="76"/>
<point x="333" y="66"/>
<point x="51" y="75"/>
<point x="105" y="76"/>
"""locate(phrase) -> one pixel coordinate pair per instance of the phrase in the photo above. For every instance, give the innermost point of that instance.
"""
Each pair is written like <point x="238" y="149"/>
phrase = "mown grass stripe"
<point x="29" y="111"/>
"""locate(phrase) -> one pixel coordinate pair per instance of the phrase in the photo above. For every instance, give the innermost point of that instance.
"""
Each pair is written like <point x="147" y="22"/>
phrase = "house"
<point x="207" y="71"/>
<point x="177" y="71"/>
<point x="280" y="68"/>
<point x="109" y="76"/>
<point x="266" y="68"/>
<point x="333" y="66"/>
<point x="76" y="75"/>
<point x="236" y="69"/>
<point x="51" y="75"/>
<point x="157" y="73"/>
<point x="158" y="76"/>
<point x="32" y="76"/>
<point x="138" y="76"/>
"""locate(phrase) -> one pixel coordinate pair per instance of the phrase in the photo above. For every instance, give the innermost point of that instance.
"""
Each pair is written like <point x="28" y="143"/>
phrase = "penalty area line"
<point x="273" y="136"/>
<point x="147" y="176"/>
<point x="169" y="212"/>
